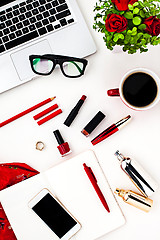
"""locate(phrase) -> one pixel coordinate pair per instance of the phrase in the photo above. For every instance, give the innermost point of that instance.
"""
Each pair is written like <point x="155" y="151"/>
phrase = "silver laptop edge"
<point x="73" y="40"/>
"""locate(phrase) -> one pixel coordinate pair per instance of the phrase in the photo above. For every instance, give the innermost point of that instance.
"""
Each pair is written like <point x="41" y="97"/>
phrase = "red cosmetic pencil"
<point x="52" y="115"/>
<point x="110" y="130"/>
<point x="93" y="180"/>
<point x="48" y="110"/>
<point x="26" y="111"/>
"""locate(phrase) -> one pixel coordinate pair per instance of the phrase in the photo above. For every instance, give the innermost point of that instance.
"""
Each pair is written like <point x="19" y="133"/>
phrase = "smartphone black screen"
<point x="51" y="212"/>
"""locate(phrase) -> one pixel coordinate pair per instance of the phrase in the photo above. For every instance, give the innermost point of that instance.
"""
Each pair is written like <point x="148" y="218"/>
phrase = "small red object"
<point x="26" y="111"/>
<point x="10" y="174"/>
<point x="93" y="180"/>
<point x="64" y="148"/>
<point x="52" y="115"/>
<point x="113" y="92"/>
<point x="105" y="134"/>
<point x="48" y="110"/>
<point x="115" y="127"/>
<point x="83" y="97"/>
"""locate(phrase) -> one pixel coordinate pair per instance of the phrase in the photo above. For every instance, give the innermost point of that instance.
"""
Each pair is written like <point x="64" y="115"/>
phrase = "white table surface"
<point x="139" y="139"/>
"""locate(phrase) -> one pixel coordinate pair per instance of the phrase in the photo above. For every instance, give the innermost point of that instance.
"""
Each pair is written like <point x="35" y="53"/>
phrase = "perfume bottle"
<point x="139" y="177"/>
<point x="135" y="199"/>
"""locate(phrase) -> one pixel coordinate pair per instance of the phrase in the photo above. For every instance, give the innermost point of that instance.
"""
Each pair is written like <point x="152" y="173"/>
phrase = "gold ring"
<point x="39" y="146"/>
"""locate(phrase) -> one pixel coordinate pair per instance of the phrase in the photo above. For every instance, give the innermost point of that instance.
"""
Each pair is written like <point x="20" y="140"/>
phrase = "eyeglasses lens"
<point x="73" y="68"/>
<point x="43" y="66"/>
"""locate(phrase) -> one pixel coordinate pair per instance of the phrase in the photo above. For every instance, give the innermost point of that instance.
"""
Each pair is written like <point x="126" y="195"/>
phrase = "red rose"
<point x="115" y="23"/>
<point x="122" y="5"/>
<point x="152" y="25"/>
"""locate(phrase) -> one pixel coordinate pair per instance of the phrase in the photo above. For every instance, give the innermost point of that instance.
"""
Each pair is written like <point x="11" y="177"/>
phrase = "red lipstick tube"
<point x="63" y="147"/>
<point x="74" y="111"/>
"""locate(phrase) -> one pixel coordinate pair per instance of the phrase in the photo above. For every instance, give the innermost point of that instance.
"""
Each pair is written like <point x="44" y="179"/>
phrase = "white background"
<point x="139" y="139"/>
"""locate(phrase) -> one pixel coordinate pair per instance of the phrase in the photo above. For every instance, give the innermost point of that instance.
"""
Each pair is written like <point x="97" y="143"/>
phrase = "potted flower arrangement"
<point x="131" y="24"/>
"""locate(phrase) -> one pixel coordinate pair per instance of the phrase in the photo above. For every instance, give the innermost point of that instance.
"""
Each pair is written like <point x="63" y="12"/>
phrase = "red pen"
<point x="93" y="180"/>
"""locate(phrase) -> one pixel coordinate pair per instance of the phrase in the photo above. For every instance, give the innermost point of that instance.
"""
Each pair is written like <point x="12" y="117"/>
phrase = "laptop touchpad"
<point x="21" y="61"/>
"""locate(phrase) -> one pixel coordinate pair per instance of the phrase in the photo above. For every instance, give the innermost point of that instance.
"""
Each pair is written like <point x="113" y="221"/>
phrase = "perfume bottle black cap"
<point x="94" y="122"/>
<point x="58" y="137"/>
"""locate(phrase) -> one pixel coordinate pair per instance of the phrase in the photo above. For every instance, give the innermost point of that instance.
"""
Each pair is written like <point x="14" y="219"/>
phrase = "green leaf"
<point x="142" y="14"/>
<point x="143" y="41"/>
<point x="147" y="4"/>
<point x="137" y="20"/>
<point x="146" y="35"/>
<point x="139" y="35"/>
<point x="141" y="4"/>
<point x="135" y="4"/>
<point x="109" y="38"/>
<point x="130" y="7"/>
<point x="121" y="36"/>
<point x="98" y="15"/>
<point x="128" y="15"/>
<point x="97" y="8"/>
<point x="134" y="29"/>
<point x="136" y="11"/>
<point x="132" y="40"/>
<point x="115" y="39"/>
<point x="134" y="33"/>
<point x="122" y="12"/>
<point x="142" y="27"/>
<point x="129" y="32"/>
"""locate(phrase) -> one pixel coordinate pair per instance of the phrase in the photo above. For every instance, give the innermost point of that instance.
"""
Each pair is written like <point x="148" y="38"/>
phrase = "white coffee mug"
<point x="119" y="91"/>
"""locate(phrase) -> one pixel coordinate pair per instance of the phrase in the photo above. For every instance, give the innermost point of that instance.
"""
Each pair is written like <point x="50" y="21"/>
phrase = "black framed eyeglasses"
<point x="70" y="66"/>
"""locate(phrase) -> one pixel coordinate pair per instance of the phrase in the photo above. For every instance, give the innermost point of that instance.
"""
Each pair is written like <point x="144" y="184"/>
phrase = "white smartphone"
<point x="54" y="214"/>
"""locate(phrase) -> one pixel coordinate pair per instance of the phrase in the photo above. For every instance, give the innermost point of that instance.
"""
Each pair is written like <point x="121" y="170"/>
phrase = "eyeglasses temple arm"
<point x="76" y="66"/>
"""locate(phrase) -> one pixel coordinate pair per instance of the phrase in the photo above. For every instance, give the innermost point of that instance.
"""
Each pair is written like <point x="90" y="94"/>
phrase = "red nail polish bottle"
<point x="63" y="147"/>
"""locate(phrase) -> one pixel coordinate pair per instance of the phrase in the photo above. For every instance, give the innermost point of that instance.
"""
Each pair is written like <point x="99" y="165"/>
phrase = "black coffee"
<point x="139" y="89"/>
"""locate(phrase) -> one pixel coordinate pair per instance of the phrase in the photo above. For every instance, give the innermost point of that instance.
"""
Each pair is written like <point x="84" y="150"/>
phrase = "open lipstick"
<point x="74" y="111"/>
<point x="63" y="147"/>
<point x="93" y="123"/>
<point x="110" y="130"/>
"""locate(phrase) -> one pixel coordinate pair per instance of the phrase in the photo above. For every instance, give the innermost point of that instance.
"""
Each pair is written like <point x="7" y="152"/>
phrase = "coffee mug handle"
<point x="113" y="92"/>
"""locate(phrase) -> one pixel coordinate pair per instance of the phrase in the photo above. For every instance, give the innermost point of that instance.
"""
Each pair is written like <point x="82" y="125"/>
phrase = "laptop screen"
<point x="4" y="2"/>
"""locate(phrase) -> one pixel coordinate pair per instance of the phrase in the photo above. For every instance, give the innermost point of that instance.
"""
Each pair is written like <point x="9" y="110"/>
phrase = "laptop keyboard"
<point x="31" y="19"/>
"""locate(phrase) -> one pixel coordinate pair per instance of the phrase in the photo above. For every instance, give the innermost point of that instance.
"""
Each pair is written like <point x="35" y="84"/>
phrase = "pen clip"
<point x="89" y="171"/>
<point x="92" y="173"/>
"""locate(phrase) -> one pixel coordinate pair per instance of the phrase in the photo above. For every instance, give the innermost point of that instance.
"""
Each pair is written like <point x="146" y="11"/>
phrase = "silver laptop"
<point x="38" y="27"/>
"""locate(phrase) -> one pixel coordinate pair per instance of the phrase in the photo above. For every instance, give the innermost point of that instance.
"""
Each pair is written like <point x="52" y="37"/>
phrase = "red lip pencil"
<point x="26" y="111"/>
<point x="110" y="130"/>
<point x="43" y="113"/>
<point x="49" y="117"/>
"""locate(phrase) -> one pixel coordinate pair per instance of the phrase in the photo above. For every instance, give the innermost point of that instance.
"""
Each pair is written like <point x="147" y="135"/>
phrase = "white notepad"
<point x="70" y="184"/>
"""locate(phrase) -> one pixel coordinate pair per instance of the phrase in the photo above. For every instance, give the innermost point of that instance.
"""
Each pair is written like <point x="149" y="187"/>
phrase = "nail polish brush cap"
<point x="58" y="137"/>
<point x="94" y="122"/>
